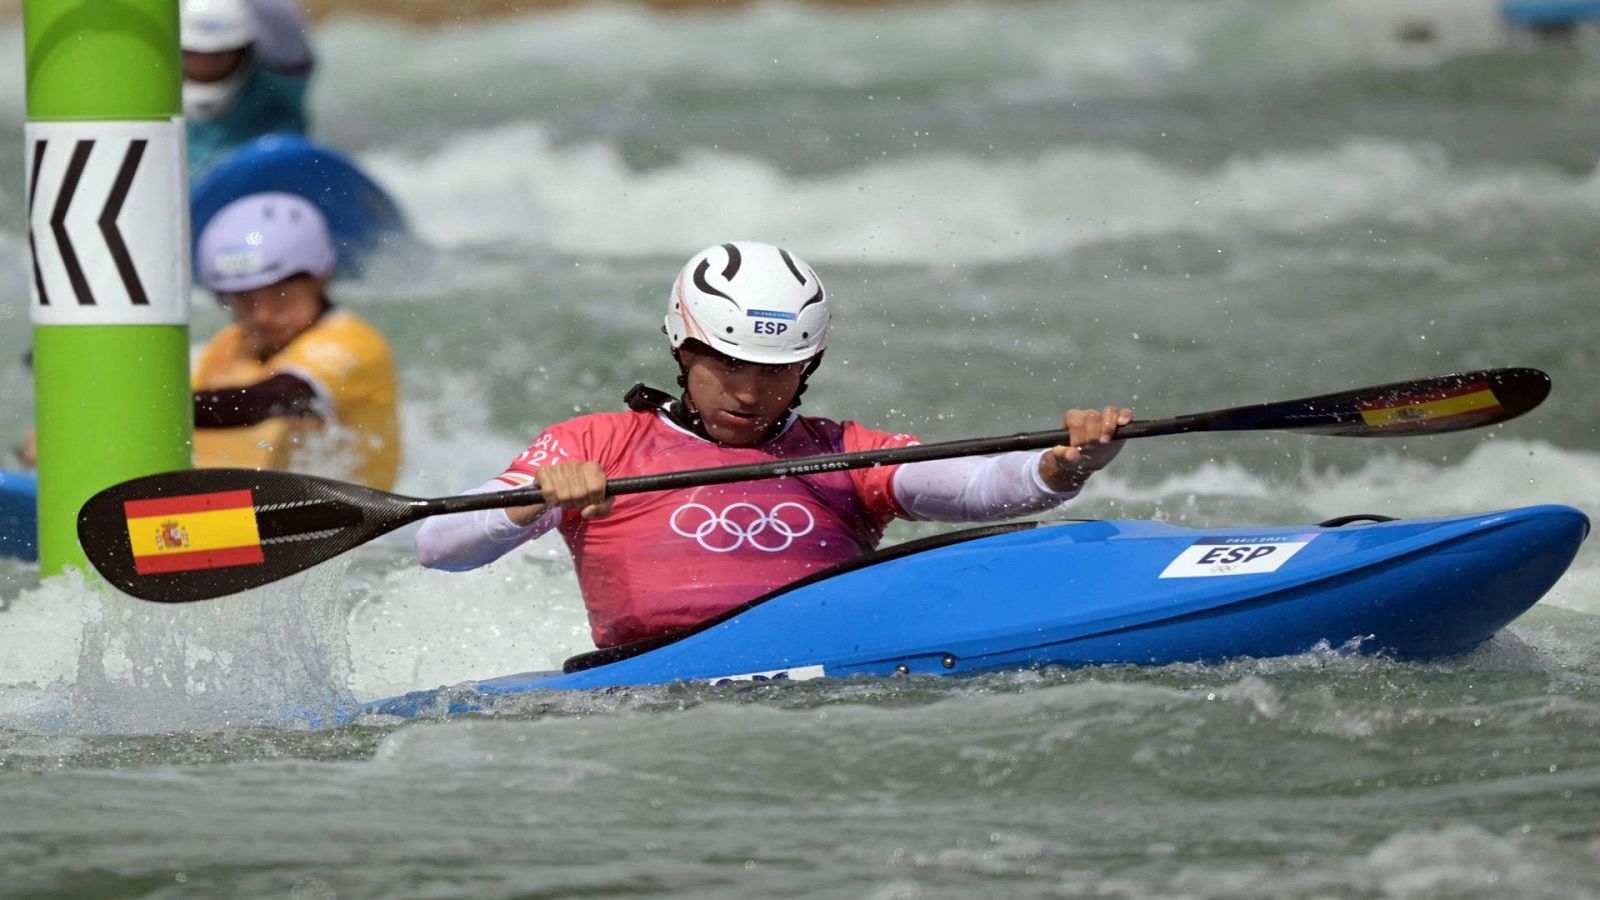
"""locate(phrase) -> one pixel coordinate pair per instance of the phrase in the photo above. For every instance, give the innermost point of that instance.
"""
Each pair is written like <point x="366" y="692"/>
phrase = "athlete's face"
<point x="274" y="315"/>
<point x="739" y="401"/>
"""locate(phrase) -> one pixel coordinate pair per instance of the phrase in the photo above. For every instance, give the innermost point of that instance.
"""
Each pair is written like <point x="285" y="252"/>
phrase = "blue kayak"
<point x="361" y="215"/>
<point x="1092" y="593"/>
<point x="19" y="518"/>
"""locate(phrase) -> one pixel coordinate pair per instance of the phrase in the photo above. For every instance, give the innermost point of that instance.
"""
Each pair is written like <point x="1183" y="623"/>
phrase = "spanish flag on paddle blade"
<point x="195" y="531"/>
<point x="1467" y="402"/>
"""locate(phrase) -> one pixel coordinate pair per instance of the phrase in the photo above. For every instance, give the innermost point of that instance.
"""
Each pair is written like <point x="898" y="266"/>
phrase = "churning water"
<point x="1018" y="208"/>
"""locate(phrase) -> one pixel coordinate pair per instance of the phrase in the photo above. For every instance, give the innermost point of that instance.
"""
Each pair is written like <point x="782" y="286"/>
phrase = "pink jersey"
<point x="669" y="559"/>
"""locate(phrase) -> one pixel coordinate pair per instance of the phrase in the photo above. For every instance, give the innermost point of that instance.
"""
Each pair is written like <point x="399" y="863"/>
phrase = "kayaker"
<point x="748" y="324"/>
<point x="246" y="67"/>
<point x="294" y="383"/>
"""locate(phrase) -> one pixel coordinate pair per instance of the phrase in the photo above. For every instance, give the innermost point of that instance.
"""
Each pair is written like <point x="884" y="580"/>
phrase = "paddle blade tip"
<point x="178" y="537"/>
<point x="1445" y="403"/>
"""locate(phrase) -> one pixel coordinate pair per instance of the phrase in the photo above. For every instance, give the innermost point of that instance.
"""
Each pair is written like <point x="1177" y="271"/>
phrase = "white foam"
<point x="1497" y="474"/>
<point x="43" y="631"/>
<point x="83" y="659"/>
<point x="425" y="629"/>
<point x="512" y="186"/>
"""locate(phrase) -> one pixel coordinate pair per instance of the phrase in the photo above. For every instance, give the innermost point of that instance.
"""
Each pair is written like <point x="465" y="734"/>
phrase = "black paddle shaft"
<point x="177" y="537"/>
<point x="1442" y="404"/>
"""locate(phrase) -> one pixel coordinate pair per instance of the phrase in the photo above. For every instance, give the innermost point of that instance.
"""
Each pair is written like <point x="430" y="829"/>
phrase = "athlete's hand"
<point x="570" y="485"/>
<point x="28" y="453"/>
<point x="1067" y="467"/>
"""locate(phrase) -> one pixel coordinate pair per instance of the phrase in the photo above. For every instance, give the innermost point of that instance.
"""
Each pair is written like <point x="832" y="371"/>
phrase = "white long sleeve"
<point x="975" y="489"/>
<point x="462" y="541"/>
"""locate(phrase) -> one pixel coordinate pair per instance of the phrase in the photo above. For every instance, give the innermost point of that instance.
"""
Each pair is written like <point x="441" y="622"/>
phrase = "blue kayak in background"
<point x="361" y="215"/>
<point x="1550" y="13"/>
<point x="1096" y="593"/>
<point x="19" y="517"/>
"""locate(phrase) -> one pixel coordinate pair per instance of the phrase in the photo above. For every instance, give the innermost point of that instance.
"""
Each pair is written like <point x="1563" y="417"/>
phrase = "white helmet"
<point x="215" y="26"/>
<point x="751" y="301"/>
<point x="262" y="239"/>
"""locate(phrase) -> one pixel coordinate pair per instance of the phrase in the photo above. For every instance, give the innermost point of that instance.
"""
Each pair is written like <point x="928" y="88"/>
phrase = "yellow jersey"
<point x="349" y="366"/>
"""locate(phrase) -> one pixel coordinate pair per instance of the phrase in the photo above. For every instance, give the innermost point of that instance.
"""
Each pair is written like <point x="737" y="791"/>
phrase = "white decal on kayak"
<point x="798" y="673"/>
<point x="1209" y="557"/>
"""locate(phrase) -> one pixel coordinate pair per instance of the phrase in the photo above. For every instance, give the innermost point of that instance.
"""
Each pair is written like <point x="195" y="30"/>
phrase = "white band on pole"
<point x="108" y="221"/>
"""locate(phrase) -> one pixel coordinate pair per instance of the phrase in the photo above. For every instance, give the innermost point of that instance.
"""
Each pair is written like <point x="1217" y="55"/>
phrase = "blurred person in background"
<point x="294" y="383"/>
<point x="246" y="67"/>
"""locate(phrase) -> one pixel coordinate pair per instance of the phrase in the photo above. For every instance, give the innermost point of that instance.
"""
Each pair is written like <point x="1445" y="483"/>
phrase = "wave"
<point x="1090" y="47"/>
<point x="1497" y="474"/>
<point x="513" y="186"/>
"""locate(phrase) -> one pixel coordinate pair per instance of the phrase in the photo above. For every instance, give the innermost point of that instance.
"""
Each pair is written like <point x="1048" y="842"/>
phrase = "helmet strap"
<point x="682" y="411"/>
<point x="805" y="377"/>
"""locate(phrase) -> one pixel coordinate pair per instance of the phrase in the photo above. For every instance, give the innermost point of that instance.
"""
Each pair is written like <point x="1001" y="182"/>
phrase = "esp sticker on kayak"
<point x="798" y="673"/>
<point x="1212" y="556"/>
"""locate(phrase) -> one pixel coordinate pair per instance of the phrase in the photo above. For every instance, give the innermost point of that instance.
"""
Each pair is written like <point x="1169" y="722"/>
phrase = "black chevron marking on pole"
<point x="108" y="223"/>
<point x="33" y="191"/>
<point x="58" y="222"/>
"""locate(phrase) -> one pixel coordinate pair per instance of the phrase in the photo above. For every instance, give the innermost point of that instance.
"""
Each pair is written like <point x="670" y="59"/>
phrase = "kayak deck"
<point x="1104" y="592"/>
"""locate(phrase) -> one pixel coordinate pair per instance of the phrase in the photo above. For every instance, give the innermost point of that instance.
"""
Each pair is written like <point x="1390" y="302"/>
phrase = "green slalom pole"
<point x="107" y="210"/>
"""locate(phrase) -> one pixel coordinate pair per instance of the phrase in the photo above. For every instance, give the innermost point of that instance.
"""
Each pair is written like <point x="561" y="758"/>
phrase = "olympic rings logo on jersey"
<point x="742" y="522"/>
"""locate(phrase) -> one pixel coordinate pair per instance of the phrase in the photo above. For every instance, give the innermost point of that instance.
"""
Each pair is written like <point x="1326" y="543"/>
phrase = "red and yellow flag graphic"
<point x="1474" y="400"/>
<point x="195" y="531"/>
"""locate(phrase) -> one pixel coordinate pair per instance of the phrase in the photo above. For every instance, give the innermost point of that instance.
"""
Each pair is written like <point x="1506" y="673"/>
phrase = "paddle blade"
<point x="1426" y="406"/>
<point x="182" y="536"/>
